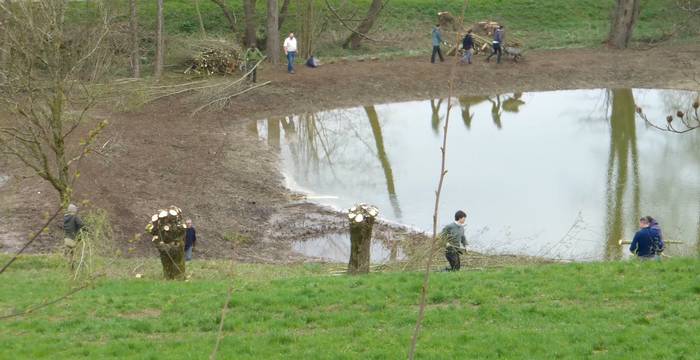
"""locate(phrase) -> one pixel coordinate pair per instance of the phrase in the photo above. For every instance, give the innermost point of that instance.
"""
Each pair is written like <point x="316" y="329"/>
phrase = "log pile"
<point x="167" y="229"/>
<point x="361" y="218"/>
<point x="482" y="32"/>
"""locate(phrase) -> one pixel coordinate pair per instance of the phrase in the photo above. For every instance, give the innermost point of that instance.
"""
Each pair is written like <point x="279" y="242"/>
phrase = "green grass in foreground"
<point x="616" y="310"/>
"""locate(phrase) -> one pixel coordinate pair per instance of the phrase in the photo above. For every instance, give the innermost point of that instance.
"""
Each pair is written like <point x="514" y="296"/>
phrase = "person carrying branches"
<point x="72" y="225"/>
<point x="251" y="57"/>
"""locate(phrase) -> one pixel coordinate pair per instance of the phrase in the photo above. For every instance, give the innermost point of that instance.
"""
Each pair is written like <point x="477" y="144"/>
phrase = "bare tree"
<point x="230" y="17"/>
<point x="273" y="34"/>
<point x="308" y="25"/>
<point x="41" y="86"/>
<point x="199" y="17"/>
<point x="283" y="13"/>
<point x="353" y="42"/>
<point x="4" y="23"/>
<point x="622" y="24"/>
<point x="160" y="43"/>
<point x="134" y="30"/>
<point x="250" y="23"/>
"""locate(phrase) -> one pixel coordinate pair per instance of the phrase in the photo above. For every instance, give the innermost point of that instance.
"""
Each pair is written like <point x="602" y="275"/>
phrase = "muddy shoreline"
<point x="229" y="181"/>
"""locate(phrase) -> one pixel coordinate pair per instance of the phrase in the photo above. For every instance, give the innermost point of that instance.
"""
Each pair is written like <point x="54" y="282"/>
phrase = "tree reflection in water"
<point x="383" y="158"/>
<point x="623" y="149"/>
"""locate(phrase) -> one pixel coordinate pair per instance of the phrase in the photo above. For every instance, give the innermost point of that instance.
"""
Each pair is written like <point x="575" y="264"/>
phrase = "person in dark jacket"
<point x="643" y="243"/>
<point x="497" y="43"/>
<point x="437" y="40"/>
<point x="190" y="239"/>
<point x="453" y="233"/>
<point x="72" y="224"/>
<point x="468" y="47"/>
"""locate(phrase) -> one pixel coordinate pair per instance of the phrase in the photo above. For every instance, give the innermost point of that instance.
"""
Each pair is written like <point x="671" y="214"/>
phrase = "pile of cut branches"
<point x="214" y="61"/>
<point x="211" y="57"/>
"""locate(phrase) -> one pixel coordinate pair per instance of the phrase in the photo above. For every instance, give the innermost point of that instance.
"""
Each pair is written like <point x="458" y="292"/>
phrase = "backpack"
<point x="657" y="243"/>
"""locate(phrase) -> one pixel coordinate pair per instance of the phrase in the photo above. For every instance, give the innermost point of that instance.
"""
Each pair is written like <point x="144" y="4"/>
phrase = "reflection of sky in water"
<point x="537" y="181"/>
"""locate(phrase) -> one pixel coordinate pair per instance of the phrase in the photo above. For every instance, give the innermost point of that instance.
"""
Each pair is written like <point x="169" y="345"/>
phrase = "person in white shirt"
<point x="290" y="49"/>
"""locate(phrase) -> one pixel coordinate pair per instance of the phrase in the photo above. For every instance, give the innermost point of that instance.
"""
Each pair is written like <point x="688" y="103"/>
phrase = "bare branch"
<point x="31" y="240"/>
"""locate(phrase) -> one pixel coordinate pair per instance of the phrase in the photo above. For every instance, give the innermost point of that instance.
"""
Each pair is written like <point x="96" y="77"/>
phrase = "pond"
<point x="562" y="174"/>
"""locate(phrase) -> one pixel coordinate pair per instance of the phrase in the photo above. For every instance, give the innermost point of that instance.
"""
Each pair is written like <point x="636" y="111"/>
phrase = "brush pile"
<point x="214" y="57"/>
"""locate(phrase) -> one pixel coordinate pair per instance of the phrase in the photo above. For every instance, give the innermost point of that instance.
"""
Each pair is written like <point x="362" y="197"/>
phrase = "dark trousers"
<point x="453" y="258"/>
<point x="436" y="50"/>
<point x="253" y="76"/>
<point x="496" y="50"/>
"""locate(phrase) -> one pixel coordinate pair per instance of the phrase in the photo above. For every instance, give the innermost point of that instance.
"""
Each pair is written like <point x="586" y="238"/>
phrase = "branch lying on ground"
<point x="225" y="99"/>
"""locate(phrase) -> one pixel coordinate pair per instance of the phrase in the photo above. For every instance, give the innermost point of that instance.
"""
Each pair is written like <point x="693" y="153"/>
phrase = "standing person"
<point x="643" y="243"/>
<point x="437" y="40"/>
<point x="190" y="239"/>
<point x="290" y="49"/>
<point x="72" y="224"/>
<point x="251" y="57"/>
<point x="468" y="47"/>
<point x="497" y="43"/>
<point x="453" y="233"/>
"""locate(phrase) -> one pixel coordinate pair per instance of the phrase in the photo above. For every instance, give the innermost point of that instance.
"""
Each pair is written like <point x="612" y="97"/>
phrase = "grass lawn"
<point x="614" y="310"/>
<point x="404" y="26"/>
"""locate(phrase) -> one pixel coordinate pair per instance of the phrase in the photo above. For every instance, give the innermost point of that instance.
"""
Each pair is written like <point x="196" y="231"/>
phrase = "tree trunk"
<point x="250" y="23"/>
<point x="160" y="44"/>
<point x="308" y="15"/>
<point x="283" y="13"/>
<point x="228" y="14"/>
<point x="5" y="48"/>
<point x="199" y="17"/>
<point x="361" y="219"/>
<point x="622" y="23"/>
<point x="353" y="42"/>
<point x="133" y="28"/>
<point x="273" y="34"/>
<point x="168" y="232"/>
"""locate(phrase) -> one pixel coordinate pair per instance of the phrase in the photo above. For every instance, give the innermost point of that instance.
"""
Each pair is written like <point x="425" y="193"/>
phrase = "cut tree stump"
<point x="361" y="218"/>
<point x="168" y="231"/>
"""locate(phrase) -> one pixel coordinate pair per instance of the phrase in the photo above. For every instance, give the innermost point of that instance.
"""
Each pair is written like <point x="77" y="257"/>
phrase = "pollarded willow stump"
<point x="361" y="221"/>
<point x="168" y="231"/>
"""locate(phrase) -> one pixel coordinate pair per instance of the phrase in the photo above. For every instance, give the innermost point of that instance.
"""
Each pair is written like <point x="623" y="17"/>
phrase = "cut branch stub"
<point x="361" y="217"/>
<point x="168" y="231"/>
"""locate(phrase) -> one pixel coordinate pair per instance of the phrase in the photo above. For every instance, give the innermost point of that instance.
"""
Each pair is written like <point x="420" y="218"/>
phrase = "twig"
<point x="433" y="245"/>
<point x="220" y="334"/>
<point x="34" y="237"/>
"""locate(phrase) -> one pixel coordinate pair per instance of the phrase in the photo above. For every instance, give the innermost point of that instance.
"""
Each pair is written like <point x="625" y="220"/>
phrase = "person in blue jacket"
<point x="647" y="243"/>
<point x="437" y="40"/>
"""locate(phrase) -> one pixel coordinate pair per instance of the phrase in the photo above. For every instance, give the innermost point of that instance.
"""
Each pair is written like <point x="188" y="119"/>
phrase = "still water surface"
<point x="558" y="174"/>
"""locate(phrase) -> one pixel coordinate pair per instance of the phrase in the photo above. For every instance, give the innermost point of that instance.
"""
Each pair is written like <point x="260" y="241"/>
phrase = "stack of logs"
<point x="361" y="218"/>
<point x="168" y="231"/>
